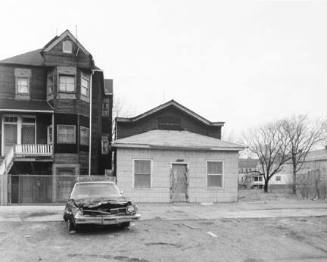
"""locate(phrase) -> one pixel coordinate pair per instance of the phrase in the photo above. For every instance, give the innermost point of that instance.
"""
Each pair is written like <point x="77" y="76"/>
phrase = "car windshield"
<point x="94" y="190"/>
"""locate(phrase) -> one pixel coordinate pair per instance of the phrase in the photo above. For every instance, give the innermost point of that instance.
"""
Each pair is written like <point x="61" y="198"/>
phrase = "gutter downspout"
<point x="90" y="124"/>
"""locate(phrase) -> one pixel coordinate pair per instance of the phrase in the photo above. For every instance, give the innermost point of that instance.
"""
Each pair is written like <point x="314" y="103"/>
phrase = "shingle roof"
<point x="165" y="105"/>
<point x="175" y="139"/>
<point x="108" y="86"/>
<point x="33" y="58"/>
<point x="9" y="105"/>
<point x="317" y="155"/>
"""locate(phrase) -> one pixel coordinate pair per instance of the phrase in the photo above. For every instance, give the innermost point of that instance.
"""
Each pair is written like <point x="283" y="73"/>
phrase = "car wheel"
<point x="125" y="224"/>
<point x="71" y="227"/>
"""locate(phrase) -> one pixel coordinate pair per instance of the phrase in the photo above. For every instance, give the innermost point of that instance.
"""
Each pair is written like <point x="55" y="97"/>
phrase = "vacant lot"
<point x="282" y="239"/>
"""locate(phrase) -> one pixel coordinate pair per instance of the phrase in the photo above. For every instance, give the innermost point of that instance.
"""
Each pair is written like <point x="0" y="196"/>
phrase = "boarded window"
<point x="66" y="134"/>
<point x="84" y="136"/>
<point x="142" y="173"/>
<point x="22" y="85"/>
<point x="66" y="83"/>
<point x="215" y="173"/>
<point x="85" y="85"/>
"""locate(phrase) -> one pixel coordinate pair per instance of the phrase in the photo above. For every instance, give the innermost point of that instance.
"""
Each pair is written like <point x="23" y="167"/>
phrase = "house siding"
<point x="160" y="177"/>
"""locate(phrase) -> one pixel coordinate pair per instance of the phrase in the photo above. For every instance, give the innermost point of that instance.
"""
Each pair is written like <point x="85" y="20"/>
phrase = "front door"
<point x="9" y="137"/>
<point x="179" y="183"/>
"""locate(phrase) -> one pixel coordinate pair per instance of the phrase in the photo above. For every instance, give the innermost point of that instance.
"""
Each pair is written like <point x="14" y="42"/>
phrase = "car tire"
<point x="71" y="227"/>
<point x="125" y="224"/>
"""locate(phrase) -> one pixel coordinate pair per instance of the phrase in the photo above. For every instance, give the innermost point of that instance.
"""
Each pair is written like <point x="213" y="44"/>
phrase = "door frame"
<point x="171" y="181"/>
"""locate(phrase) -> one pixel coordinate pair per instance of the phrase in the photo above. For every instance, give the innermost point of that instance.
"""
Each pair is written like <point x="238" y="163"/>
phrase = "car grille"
<point x="118" y="211"/>
<point x="100" y="212"/>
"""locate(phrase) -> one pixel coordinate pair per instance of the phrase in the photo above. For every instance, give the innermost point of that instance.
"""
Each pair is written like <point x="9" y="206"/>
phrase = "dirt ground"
<point x="248" y="240"/>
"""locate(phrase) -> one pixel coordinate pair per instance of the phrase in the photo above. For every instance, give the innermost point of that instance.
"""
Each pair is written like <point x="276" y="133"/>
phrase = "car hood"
<point x="90" y="203"/>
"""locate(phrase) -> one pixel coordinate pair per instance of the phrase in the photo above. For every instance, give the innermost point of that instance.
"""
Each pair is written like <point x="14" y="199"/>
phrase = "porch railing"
<point x="33" y="150"/>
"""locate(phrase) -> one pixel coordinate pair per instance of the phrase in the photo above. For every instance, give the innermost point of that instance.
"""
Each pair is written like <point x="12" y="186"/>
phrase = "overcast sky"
<point x="243" y="62"/>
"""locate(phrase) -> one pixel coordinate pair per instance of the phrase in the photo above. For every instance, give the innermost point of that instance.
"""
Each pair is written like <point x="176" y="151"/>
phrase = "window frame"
<point x="80" y="136"/>
<point x="278" y="178"/>
<point x="222" y="174"/>
<point x="67" y="51"/>
<point x="65" y="91"/>
<point x="87" y="78"/>
<point x="133" y="175"/>
<point x="58" y="139"/>
<point x="28" y="86"/>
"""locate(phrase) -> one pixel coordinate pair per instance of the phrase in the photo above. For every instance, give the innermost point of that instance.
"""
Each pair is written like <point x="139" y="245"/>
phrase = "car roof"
<point x="94" y="182"/>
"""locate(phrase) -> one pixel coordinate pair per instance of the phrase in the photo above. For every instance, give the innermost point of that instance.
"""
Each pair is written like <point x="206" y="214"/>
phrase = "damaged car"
<point x="98" y="203"/>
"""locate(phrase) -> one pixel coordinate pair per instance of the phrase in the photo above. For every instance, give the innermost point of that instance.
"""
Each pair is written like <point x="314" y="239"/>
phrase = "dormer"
<point x="66" y="50"/>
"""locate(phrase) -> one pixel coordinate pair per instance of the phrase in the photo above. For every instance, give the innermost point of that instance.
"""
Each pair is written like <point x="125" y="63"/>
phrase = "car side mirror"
<point x="121" y="192"/>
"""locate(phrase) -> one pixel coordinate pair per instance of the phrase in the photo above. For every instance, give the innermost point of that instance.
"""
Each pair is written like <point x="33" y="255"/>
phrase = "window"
<point x="105" y="145"/>
<point x="67" y="46"/>
<point x="49" y="135"/>
<point x="66" y="134"/>
<point x="142" y="173"/>
<point x="84" y="136"/>
<point x="22" y="85"/>
<point x="85" y="85"/>
<point x="66" y="83"/>
<point x="105" y="107"/>
<point x="278" y="178"/>
<point x="215" y="173"/>
<point x="50" y="83"/>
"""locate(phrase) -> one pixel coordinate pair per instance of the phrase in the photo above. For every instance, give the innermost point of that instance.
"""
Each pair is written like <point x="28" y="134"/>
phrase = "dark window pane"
<point x="215" y="167"/>
<point x="142" y="181"/>
<point x="215" y="181"/>
<point x="142" y="167"/>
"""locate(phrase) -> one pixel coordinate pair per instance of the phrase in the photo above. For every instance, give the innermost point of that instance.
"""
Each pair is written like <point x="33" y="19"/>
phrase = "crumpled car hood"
<point x="95" y="203"/>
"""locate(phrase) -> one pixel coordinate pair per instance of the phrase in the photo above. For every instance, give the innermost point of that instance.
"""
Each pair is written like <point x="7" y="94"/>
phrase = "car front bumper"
<point x="105" y="220"/>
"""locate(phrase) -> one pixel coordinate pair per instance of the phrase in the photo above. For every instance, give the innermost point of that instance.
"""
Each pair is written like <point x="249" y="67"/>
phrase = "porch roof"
<point x="171" y="139"/>
<point x="11" y="105"/>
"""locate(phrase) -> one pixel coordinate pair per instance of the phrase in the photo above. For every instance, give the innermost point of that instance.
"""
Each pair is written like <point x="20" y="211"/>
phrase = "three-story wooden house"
<point x="48" y="98"/>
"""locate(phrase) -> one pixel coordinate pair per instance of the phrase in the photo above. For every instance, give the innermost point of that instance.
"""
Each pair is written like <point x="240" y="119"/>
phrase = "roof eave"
<point x="145" y="146"/>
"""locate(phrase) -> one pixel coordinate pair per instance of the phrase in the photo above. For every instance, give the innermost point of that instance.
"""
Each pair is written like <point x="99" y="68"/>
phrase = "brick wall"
<point x="161" y="164"/>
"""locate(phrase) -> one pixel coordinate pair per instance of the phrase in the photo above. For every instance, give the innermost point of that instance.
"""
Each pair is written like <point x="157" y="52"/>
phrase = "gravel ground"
<point x="248" y="240"/>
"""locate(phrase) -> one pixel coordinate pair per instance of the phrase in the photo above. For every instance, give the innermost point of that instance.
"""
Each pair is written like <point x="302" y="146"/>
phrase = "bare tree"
<point x="302" y="135"/>
<point x="270" y="145"/>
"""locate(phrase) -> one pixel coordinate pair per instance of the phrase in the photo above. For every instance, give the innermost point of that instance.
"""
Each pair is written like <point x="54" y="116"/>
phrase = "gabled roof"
<point x="165" y="105"/>
<point x="317" y="155"/>
<point x="172" y="139"/>
<point x="33" y="58"/>
<point x="58" y="39"/>
<point x="108" y="86"/>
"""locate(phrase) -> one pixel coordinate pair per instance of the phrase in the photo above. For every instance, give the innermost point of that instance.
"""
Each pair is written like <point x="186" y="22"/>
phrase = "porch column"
<point x="4" y="190"/>
<point x="54" y="183"/>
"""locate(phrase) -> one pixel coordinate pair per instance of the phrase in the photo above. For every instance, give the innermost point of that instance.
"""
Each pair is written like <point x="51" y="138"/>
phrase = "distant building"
<point x="172" y="154"/>
<point x="45" y="113"/>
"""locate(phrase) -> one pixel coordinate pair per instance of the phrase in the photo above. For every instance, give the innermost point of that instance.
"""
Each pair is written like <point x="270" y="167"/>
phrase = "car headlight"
<point x="130" y="209"/>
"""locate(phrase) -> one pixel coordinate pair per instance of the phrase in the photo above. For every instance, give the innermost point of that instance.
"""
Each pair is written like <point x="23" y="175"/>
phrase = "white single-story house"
<point x="177" y="166"/>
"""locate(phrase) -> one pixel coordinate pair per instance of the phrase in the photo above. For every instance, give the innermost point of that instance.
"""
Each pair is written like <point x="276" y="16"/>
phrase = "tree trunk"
<point x="265" y="187"/>
<point x="294" y="181"/>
